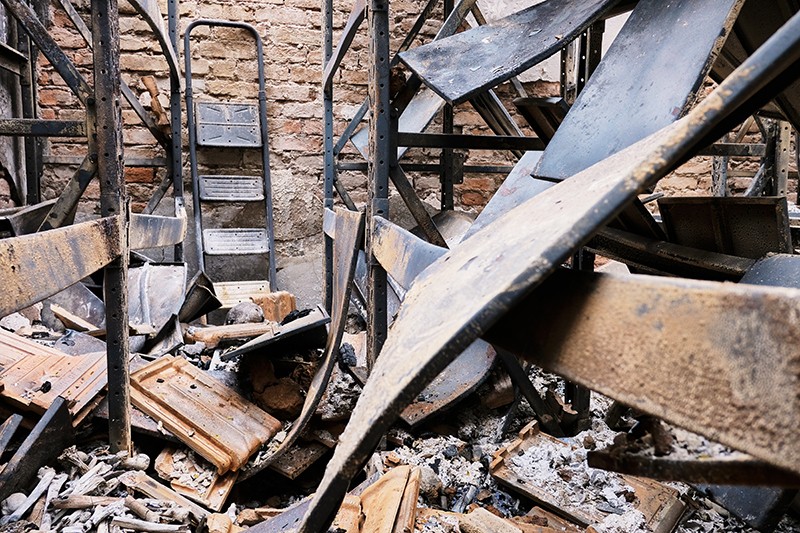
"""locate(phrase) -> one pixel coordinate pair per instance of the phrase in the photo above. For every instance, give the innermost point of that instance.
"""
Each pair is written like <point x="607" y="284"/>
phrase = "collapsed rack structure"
<point x="620" y="125"/>
<point x="45" y="252"/>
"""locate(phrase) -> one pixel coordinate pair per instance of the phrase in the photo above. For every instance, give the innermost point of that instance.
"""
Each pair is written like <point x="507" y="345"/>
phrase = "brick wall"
<point x="224" y="70"/>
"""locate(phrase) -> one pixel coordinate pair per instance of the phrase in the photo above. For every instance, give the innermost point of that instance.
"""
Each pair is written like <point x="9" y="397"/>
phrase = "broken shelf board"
<point x="658" y="503"/>
<point x="212" y="419"/>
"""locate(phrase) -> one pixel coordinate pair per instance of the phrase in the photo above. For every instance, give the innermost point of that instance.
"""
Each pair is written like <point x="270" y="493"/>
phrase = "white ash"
<point x="631" y="521"/>
<point x="438" y="524"/>
<point x="190" y="470"/>
<point x="340" y="396"/>
<point x="442" y="455"/>
<point x="562" y="472"/>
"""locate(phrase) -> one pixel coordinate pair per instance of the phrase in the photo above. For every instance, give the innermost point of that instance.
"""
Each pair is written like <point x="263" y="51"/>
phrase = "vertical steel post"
<point x="590" y="51"/>
<point x="113" y="201"/>
<point x="330" y="169"/>
<point x="33" y="145"/>
<point x="174" y="156"/>
<point x="447" y="153"/>
<point x="381" y="156"/>
<point x="782" y="148"/>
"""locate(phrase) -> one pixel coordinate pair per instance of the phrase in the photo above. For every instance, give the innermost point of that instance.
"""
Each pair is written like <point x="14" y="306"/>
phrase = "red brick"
<point x="140" y="174"/>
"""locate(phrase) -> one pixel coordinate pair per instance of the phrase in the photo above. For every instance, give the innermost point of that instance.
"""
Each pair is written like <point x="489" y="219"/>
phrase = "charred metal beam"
<point x="67" y="201"/>
<point x="415" y="205"/>
<point x="661" y="257"/>
<point x="717" y="357"/>
<point x="11" y="60"/>
<point x="348" y="34"/>
<point x="490" y="272"/>
<point x="32" y="127"/>
<point x="113" y="202"/>
<point x="25" y="14"/>
<point x="471" y="142"/>
<point x="734" y="150"/>
<point x="33" y="267"/>
<point x="736" y="469"/>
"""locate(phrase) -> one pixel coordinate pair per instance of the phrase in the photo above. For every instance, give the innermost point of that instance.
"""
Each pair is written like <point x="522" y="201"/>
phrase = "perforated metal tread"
<point x="237" y="241"/>
<point x="231" y="188"/>
<point x="225" y="124"/>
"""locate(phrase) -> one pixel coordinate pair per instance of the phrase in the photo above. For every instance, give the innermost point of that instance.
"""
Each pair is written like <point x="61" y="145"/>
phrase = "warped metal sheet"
<point x="470" y="62"/>
<point x="33" y="267"/>
<point x="404" y="256"/>
<point x="152" y="231"/>
<point x="483" y="277"/>
<point x="648" y="79"/>
<point x="745" y="227"/>
<point x="349" y="235"/>
<point x="155" y="294"/>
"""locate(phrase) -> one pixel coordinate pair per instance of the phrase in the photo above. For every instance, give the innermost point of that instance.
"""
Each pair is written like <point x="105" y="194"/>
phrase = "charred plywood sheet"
<point x="212" y="419"/>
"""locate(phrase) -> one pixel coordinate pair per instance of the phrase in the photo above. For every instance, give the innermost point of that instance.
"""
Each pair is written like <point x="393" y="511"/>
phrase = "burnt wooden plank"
<point x="490" y="272"/>
<point x="473" y="61"/>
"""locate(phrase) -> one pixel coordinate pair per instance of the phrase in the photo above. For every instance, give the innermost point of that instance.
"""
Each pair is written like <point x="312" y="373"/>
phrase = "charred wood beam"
<point x="734" y="150"/>
<point x="32" y="127"/>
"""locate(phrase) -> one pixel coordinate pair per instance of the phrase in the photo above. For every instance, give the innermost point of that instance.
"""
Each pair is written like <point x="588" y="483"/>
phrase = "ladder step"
<point x="231" y="293"/>
<point x="231" y="188"/>
<point x="238" y="241"/>
<point x="231" y="125"/>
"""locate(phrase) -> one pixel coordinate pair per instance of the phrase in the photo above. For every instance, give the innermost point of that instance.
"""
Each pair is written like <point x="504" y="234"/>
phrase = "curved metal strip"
<point x="151" y="13"/>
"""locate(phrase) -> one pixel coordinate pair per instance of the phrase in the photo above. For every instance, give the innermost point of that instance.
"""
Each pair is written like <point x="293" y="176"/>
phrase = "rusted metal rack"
<point x="46" y="253"/>
<point x="708" y="359"/>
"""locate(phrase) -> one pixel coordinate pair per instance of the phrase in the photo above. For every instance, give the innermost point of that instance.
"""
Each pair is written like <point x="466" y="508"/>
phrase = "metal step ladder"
<point x="234" y="252"/>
